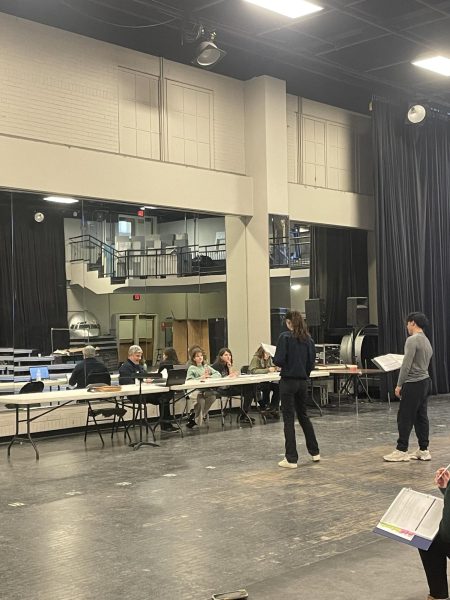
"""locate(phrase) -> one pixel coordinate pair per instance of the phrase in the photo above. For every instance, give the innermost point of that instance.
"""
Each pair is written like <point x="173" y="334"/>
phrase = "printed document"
<point x="412" y="517"/>
<point x="388" y="362"/>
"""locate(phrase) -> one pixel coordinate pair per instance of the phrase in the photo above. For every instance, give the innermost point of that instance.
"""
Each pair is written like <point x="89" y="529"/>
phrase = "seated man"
<point x="127" y="372"/>
<point x="84" y="368"/>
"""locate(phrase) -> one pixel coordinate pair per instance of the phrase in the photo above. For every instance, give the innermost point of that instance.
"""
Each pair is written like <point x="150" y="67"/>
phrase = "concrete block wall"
<point x="328" y="147"/>
<point x="63" y="88"/>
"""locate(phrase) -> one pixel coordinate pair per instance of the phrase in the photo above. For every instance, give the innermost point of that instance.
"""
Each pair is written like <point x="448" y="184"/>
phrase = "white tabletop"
<point x="74" y="395"/>
<point x="191" y="384"/>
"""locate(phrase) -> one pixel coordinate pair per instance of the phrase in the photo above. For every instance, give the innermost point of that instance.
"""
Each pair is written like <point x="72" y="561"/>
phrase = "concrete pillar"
<point x="237" y="296"/>
<point x="266" y="163"/>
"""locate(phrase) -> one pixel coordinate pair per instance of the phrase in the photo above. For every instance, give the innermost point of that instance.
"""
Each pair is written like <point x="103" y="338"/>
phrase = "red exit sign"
<point x="136" y="297"/>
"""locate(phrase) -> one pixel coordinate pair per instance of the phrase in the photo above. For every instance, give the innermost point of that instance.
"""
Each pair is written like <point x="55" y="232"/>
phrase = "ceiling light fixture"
<point x="207" y="53"/>
<point x="61" y="199"/>
<point x="416" y="114"/>
<point x="149" y="207"/>
<point x="437" y="64"/>
<point x="289" y="8"/>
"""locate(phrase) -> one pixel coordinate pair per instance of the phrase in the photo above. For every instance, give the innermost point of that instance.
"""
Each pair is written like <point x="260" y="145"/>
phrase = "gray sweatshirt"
<point x="418" y="353"/>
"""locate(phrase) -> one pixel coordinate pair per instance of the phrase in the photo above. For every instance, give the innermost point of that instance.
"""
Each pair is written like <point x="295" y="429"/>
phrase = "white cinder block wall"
<point x="63" y="88"/>
<point x="328" y="147"/>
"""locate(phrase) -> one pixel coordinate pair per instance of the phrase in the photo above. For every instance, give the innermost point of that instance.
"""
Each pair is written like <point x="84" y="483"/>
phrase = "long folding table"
<point x="62" y="398"/>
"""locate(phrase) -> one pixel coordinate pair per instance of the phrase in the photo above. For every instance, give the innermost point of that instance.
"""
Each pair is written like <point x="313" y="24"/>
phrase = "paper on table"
<point x="269" y="348"/>
<point x="388" y="362"/>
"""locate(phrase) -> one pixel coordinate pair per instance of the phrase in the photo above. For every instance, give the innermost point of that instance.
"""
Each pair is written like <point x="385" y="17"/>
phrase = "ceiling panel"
<point x="342" y="55"/>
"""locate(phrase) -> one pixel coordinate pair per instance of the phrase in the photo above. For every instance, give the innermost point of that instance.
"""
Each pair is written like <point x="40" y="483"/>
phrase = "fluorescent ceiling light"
<point x="437" y="64"/>
<point x="61" y="199"/>
<point x="148" y="207"/>
<point x="289" y="8"/>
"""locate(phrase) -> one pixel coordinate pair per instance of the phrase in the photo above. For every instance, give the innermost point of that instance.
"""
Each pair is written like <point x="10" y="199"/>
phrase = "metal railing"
<point x="289" y="252"/>
<point x="172" y="261"/>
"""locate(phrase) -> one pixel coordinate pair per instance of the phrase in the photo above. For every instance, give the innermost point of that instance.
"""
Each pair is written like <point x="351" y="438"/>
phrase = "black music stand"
<point x="142" y="417"/>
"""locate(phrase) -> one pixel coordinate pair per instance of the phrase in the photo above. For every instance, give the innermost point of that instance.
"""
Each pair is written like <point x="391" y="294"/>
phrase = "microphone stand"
<point x="142" y="417"/>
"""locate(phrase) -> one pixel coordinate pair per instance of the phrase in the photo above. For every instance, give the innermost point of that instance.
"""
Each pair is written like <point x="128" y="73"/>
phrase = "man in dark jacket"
<point x="127" y="375"/>
<point x="84" y="368"/>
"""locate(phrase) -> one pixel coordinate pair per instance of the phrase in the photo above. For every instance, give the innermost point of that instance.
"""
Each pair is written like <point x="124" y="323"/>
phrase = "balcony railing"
<point x="172" y="261"/>
<point x="289" y="252"/>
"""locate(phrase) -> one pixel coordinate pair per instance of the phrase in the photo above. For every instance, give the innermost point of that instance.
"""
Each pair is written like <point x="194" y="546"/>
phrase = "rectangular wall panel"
<point x="139" y="122"/>
<point x="189" y="125"/>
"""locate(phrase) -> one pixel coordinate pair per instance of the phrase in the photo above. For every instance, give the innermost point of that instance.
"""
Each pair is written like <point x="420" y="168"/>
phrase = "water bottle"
<point x="38" y="375"/>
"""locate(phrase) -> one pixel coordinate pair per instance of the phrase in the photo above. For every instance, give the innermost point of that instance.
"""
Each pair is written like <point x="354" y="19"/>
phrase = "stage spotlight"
<point x="207" y="53"/>
<point x="416" y="114"/>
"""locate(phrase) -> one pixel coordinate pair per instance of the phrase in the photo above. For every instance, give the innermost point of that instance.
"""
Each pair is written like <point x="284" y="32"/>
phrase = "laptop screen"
<point x="38" y="373"/>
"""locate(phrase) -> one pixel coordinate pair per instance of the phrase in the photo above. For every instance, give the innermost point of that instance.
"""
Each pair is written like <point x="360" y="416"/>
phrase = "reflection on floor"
<point x="213" y="512"/>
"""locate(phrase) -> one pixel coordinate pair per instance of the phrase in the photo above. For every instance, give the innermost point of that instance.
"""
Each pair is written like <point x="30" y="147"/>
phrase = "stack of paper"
<point x="413" y="518"/>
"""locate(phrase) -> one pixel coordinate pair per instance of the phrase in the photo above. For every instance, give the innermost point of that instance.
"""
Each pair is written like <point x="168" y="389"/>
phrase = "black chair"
<point x="32" y="387"/>
<point x="112" y="415"/>
<point x="256" y="394"/>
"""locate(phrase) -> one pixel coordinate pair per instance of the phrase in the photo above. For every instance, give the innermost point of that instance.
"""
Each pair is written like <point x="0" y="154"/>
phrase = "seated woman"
<point x="198" y="369"/>
<point x="434" y="559"/>
<point x="224" y="365"/>
<point x="262" y="363"/>
<point x="169" y="359"/>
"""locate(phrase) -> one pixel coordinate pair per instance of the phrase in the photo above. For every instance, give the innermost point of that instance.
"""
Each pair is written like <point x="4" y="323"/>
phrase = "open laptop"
<point x="38" y="373"/>
<point x="174" y="377"/>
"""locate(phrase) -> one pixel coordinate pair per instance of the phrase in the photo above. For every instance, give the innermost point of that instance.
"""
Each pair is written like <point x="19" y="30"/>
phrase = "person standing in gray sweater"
<point x="413" y="389"/>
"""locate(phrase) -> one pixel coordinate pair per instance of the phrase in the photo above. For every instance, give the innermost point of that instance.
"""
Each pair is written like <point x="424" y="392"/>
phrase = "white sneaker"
<point x="420" y="455"/>
<point x="397" y="456"/>
<point x="287" y="465"/>
<point x="315" y="458"/>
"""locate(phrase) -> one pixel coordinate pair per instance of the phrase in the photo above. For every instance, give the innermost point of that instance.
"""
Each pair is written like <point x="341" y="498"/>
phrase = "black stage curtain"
<point x="6" y="284"/>
<point x="338" y="270"/>
<point x="412" y="196"/>
<point x="39" y="276"/>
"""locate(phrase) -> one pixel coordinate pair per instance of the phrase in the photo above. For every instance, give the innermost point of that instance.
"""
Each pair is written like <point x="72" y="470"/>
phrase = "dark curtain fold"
<point x="35" y="276"/>
<point x="6" y="284"/>
<point x="412" y="198"/>
<point x="338" y="270"/>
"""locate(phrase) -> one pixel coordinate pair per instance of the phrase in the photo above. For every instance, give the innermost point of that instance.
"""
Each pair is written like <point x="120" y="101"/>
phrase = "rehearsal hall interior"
<point x="224" y="283"/>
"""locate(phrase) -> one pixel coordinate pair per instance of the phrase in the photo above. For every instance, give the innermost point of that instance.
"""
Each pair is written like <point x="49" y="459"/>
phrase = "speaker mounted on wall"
<point x="357" y="311"/>
<point x="315" y="312"/>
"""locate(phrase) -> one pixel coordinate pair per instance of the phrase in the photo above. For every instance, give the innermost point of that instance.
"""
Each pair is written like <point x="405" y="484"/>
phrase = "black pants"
<point x="266" y="401"/>
<point x="434" y="562"/>
<point x="293" y="394"/>
<point x="163" y="400"/>
<point x="262" y="390"/>
<point x="412" y="412"/>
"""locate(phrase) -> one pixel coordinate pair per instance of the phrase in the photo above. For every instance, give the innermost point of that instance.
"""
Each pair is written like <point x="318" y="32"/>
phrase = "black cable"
<point x="104" y="21"/>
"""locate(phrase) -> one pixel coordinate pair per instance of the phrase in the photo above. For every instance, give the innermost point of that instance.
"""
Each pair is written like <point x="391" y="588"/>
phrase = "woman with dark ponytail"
<point x="296" y="355"/>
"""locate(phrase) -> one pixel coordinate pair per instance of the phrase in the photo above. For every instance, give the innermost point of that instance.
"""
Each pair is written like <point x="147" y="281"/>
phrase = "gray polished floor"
<point x="214" y="512"/>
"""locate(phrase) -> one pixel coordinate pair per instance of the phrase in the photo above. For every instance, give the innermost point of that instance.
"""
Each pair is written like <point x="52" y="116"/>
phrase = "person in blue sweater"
<point x="434" y="559"/>
<point x="295" y="355"/>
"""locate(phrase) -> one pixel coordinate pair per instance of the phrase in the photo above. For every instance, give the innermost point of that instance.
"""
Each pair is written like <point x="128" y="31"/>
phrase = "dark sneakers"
<point x="246" y="419"/>
<point x="271" y="414"/>
<point x="191" y="421"/>
<point x="169" y="428"/>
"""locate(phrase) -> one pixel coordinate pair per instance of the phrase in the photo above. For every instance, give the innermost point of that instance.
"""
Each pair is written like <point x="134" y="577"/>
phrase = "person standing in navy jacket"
<point x="295" y="355"/>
